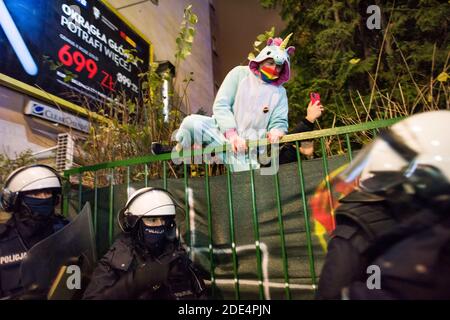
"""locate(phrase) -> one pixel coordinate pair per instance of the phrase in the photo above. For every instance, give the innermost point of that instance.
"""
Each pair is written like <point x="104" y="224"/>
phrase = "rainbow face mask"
<point x="278" y="50"/>
<point x="269" y="73"/>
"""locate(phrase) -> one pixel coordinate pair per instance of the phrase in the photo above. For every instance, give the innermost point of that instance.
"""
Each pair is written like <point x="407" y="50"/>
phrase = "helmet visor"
<point x="385" y="162"/>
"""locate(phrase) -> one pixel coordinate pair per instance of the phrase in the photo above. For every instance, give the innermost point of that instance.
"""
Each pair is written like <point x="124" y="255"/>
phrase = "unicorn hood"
<point x="275" y="49"/>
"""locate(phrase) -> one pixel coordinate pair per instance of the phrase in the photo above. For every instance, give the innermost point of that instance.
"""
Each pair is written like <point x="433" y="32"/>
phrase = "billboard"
<point x="72" y="49"/>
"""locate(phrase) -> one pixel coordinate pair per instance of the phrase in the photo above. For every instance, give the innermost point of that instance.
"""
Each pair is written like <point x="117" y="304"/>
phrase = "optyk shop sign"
<point x="54" y="115"/>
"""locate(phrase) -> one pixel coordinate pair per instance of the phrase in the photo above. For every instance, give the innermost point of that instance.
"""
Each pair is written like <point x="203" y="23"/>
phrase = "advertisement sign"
<point x="78" y="50"/>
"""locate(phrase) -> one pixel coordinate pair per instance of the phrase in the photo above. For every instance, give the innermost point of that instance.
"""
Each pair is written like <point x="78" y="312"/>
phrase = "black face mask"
<point x="154" y="238"/>
<point x="34" y="221"/>
<point x="40" y="208"/>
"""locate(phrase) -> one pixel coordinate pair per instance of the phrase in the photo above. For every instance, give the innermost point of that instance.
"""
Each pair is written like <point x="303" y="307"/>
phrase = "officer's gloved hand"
<point x="33" y="293"/>
<point x="178" y="267"/>
<point x="152" y="272"/>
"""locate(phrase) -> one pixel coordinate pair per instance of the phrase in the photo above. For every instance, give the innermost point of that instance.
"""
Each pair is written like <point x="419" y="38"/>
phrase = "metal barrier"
<point x="164" y="158"/>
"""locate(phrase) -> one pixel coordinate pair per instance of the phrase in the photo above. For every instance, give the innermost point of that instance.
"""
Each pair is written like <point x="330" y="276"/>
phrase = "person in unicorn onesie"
<point x="251" y="104"/>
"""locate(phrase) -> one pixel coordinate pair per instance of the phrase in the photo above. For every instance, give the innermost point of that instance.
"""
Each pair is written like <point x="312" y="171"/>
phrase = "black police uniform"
<point x="13" y="249"/>
<point x="409" y="244"/>
<point x="111" y="279"/>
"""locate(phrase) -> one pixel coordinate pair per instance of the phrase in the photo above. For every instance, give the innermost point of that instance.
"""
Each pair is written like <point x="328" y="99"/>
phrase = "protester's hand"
<point x="238" y="144"/>
<point x="314" y="111"/>
<point x="274" y="135"/>
<point x="307" y="148"/>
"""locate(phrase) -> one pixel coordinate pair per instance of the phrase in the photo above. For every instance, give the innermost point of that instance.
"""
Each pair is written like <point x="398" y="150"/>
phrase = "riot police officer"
<point x="392" y="236"/>
<point x="30" y="194"/>
<point x="147" y="261"/>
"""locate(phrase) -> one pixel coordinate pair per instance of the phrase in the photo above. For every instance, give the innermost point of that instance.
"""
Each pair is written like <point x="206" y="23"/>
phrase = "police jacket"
<point x="413" y="260"/>
<point x="369" y="231"/>
<point x="13" y="249"/>
<point x="183" y="281"/>
<point x="360" y="219"/>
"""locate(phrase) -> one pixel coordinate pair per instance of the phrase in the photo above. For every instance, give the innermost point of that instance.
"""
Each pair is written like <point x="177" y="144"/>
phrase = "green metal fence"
<point x="128" y="164"/>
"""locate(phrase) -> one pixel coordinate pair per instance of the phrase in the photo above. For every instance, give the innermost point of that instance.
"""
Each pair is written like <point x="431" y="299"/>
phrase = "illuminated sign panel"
<point x="73" y="49"/>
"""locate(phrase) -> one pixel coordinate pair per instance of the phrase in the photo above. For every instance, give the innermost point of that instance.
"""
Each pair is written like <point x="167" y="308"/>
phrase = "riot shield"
<point x="74" y="244"/>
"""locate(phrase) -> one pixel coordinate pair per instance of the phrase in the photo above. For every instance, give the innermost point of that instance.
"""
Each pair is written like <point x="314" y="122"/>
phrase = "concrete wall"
<point x="160" y="24"/>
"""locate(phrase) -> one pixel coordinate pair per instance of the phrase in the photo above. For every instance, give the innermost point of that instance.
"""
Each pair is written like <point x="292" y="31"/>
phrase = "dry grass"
<point x="385" y="103"/>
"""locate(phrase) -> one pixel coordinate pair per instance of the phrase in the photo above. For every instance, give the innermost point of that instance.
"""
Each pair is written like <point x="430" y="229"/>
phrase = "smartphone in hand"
<point x="314" y="96"/>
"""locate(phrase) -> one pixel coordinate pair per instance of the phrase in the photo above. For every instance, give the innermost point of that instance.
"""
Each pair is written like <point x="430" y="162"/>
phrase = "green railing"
<point x="164" y="158"/>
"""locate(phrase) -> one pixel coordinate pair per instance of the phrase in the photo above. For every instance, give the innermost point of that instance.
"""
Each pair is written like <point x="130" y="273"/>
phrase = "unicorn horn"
<point x="285" y="42"/>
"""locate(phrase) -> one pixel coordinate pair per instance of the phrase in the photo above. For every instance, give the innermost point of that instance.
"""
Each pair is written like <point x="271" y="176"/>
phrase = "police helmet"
<point x="147" y="202"/>
<point x="414" y="152"/>
<point x="28" y="178"/>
